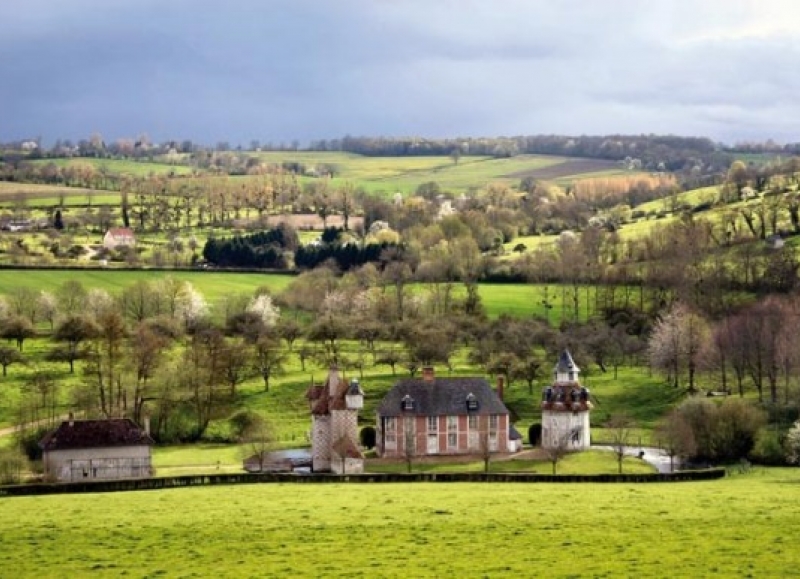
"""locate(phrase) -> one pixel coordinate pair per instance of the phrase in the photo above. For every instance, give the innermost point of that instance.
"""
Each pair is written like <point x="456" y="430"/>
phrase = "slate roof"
<point x="322" y="403"/>
<point x="95" y="434"/>
<point x="566" y="363"/>
<point x="442" y="396"/>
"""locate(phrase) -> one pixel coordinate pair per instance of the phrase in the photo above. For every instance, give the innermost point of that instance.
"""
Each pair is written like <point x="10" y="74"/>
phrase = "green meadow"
<point x="213" y="285"/>
<point x="123" y="166"/>
<point x="741" y="526"/>
<point x="516" y="300"/>
<point x="49" y="195"/>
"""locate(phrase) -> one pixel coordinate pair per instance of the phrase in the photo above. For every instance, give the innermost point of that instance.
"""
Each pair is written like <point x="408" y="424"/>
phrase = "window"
<point x="493" y="426"/>
<point x="473" y="438"/>
<point x="390" y="426"/>
<point x="433" y="424"/>
<point x="452" y="431"/>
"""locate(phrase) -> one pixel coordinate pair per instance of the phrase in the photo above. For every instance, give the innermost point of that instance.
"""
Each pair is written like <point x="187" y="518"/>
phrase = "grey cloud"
<point x="307" y="69"/>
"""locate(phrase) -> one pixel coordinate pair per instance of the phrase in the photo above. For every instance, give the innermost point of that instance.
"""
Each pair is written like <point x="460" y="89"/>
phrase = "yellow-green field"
<point x="742" y="526"/>
<point x="49" y="194"/>
<point x="123" y="167"/>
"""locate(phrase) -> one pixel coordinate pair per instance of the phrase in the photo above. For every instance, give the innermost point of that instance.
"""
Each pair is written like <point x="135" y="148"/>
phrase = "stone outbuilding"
<point x="565" y="408"/>
<point x="97" y="450"/>
<point x="334" y="425"/>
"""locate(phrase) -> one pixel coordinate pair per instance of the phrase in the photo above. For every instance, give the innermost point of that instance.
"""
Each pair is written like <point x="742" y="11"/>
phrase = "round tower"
<point x="565" y="408"/>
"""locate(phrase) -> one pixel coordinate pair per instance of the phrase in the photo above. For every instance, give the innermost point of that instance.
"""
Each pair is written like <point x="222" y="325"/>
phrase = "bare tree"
<point x="269" y="359"/>
<point x="259" y="437"/>
<point x="674" y="436"/>
<point x="555" y="452"/>
<point x="8" y="356"/>
<point x="620" y="428"/>
<point x="677" y="342"/>
<point x="17" y="328"/>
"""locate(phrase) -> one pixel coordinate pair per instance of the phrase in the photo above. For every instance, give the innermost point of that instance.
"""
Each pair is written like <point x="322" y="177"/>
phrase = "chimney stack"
<point x="71" y="419"/>
<point x="146" y="425"/>
<point x="500" y="387"/>
<point x="428" y="374"/>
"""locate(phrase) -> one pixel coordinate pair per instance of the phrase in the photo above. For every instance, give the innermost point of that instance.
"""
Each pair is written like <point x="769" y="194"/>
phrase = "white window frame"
<point x="452" y="432"/>
<point x="390" y="432"/>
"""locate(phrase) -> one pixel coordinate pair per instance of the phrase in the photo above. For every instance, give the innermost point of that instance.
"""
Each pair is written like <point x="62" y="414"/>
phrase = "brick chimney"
<point x="500" y="387"/>
<point x="428" y="374"/>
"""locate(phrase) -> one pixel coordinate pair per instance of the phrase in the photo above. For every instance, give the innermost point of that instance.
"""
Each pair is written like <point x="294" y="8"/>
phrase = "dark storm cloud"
<point x="275" y="71"/>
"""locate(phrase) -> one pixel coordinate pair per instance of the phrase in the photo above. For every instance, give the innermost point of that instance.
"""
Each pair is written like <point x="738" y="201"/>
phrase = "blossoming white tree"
<point x="190" y="306"/>
<point x="263" y="306"/>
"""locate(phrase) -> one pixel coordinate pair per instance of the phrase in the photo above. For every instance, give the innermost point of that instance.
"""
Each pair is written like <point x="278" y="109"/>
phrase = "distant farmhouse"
<point x="97" y="450"/>
<point x="119" y="237"/>
<point x="443" y="416"/>
<point x="565" y="408"/>
<point x="334" y="425"/>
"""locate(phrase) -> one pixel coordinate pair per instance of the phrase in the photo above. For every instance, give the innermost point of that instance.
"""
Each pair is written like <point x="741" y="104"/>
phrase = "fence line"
<point x="247" y="478"/>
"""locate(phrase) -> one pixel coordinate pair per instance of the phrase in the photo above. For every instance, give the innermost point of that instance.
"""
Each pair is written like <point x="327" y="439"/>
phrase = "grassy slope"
<point x="737" y="527"/>
<point x="123" y="166"/>
<point x="512" y="299"/>
<point x="213" y="285"/>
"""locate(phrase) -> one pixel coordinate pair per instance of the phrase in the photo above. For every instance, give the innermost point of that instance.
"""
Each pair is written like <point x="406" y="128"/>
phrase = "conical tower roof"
<point x="566" y="363"/>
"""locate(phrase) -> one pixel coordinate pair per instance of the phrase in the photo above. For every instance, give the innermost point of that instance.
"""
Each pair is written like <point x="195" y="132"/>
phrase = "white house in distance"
<point x="97" y="450"/>
<point x="119" y="237"/>
<point x="565" y="408"/>
<point x="334" y="425"/>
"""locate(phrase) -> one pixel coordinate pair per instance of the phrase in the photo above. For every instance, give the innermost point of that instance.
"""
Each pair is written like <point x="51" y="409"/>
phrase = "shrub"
<point x="735" y="428"/>
<point x="724" y="432"/>
<point x="12" y="465"/>
<point x="535" y="434"/>
<point x="220" y="432"/>
<point x="768" y="448"/>
<point x="28" y="441"/>
<point x="792" y="444"/>
<point x="242" y="423"/>
<point x="368" y="437"/>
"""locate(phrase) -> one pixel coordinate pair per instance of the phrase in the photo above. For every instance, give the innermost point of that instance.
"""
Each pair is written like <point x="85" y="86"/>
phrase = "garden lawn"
<point x="737" y="527"/>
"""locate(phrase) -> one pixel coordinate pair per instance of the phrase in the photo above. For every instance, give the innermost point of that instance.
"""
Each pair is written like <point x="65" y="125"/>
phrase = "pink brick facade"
<point x="432" y="416"/>
<point x="426" y="441"/>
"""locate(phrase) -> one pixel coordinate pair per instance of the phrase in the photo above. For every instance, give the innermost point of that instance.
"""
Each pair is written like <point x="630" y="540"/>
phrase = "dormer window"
<point x="407" y="403"/>
<point x="472" y="403"/>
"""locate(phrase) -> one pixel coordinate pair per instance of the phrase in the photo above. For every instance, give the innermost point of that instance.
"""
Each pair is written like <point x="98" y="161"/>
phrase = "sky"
<point x="284" y="70"/>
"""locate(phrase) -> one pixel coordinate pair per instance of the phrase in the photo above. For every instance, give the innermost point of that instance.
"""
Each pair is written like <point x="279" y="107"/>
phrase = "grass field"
<point x="123" y="166"/>
<point x="742" y="526"/>
<point x="48" y="195"/>
<point x="213" y="285"/>
<point x="517" y="300"/>
<point x="405" y="174"/>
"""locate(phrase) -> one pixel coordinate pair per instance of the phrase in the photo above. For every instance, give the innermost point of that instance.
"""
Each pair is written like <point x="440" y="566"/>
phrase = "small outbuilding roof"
<point x="74" y="434"/>
<point x="121" y="232"/>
